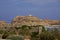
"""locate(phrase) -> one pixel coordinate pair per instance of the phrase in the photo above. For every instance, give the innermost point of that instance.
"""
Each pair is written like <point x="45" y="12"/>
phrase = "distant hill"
<point x="52" y="22"/>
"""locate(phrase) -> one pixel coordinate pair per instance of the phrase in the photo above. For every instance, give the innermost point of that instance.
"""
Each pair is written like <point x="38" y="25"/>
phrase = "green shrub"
<point x="1" y="31"/>
<point x="5" y="35"/>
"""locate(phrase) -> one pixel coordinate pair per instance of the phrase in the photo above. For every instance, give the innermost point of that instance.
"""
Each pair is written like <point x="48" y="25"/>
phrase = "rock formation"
<point x="28" y="20"/>
<point x="52" y="22"/>
<point x="3" y="23"/>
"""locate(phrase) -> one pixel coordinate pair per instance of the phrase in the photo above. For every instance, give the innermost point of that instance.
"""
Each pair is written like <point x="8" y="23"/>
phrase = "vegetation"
<point x="5" y="35"/>
<point x="34" y="36"/>
<point x="28" y="31"/>
<point x="46" y="36"/>
<point x="43" y="29"/>
<point x="1" y="31"/>
<point x="16" y="38"/>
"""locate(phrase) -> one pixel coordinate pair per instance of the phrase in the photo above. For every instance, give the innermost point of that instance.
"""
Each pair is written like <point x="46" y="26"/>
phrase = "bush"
<point x="34" y="36"/>
<point x="46" y="36"/>
<point x="5" y="35"/>
<point x="43" y="29"/>
<point x="56" y="33"/>
<point x="1" y="31"/>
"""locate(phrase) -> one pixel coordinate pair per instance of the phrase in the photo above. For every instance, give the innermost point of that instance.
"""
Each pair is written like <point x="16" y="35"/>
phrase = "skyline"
<point x="44" y="9"/>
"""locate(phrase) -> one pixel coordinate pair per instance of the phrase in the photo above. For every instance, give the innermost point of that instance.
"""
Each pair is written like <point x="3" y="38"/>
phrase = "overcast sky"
<point x="44" y="9"/>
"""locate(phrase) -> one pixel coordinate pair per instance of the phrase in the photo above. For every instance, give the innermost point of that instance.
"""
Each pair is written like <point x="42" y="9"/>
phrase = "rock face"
<point x="27" y="20"/>
<point x="3" y="23"/>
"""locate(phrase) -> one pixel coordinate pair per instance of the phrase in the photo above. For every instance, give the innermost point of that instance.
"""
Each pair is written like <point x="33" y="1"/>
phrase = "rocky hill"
<point x="3" y="23"/>
<point x="52" y="22"/>
<point x="28" y="20"/>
